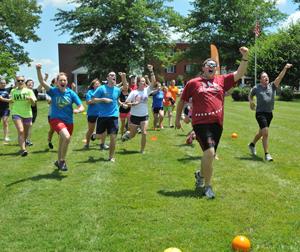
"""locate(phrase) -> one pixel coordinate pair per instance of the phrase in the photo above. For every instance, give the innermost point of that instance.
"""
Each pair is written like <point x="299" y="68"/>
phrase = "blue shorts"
<point x="27" y="121"/>
<point x="109" y="124"/>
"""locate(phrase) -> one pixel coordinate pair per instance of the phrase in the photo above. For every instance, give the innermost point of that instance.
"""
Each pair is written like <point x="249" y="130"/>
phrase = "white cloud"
<point x="292" y="19"/>
<point x="281" y="2"/>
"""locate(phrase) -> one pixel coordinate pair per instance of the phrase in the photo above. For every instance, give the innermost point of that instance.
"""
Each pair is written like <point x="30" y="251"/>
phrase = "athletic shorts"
<point x="156" y="110"/>
<point x="92" y="119"/>
<point x="168" y="108"/>
<point x="4" y="112"/>
<point x="26" y="121"/>
<point x="109" y="124"/>
<point x="124" y="115"/>
<point x="208" y="135"/>
<point x="57" y="125"/>
<point x="137" y="120"/>
<point x="264" y="119"/>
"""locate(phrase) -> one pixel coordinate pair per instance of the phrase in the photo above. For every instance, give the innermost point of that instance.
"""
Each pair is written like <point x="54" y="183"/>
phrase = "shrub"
<point x="286" y="94"/>
<point x="240" y="94"/>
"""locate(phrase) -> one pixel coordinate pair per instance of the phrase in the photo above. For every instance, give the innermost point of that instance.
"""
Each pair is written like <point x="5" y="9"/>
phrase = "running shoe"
<point x="104" y="146"/>
<point x="125" y="137"/>
<point x="63" y="166"/>
<point x="6" y="139"/>
<point x="24" y="153"/>
<point x="50" y="145"/>
<point x="86" y="147"/>
<point x="199" y="180"/>
<point x="93" y="137"/>
<point x="208" y="192"/>
<point x="112" y="160"/>
<point x="268" y="157"/>
<point x="28" y="143"/>
<point x="252" y="149"/>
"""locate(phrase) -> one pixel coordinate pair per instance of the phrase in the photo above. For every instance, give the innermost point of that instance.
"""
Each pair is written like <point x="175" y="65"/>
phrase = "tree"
<point x="122" y="35"/>
<point x="228" y="25"/>
<point x="274" y="51"/>
<point x="18" y="19"/>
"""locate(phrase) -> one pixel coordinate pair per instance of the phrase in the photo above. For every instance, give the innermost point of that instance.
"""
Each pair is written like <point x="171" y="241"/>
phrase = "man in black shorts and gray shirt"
<point x="265" y="94"/>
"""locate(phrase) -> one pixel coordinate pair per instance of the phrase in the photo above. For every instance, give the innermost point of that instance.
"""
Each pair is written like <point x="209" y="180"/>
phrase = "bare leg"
<point x="206" y="165"/>
<point x="90" y="131"/>
<point x="161" y="118"/>
<point x="64" y="140"/>
<point x="265" y="139"/>
<point x="144" y="126"/>
<point x="112" y="145"/>
<point x="20" y="128"/>
<point x="5" y="126"/>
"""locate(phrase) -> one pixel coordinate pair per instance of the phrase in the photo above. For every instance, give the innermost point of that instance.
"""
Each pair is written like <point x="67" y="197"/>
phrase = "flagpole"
<point x="255" y="61"/>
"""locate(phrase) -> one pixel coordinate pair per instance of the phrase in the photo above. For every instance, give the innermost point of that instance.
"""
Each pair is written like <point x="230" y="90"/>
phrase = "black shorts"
<point x="34" y="113"/>
<point x="4" y="112"/>
<point x="92" y="119"/>
<point x="208" y="135"/>
<point x="156" y="110"/>
<point x="109" y="124"/>
<point x="136" y="120"/>
<point x="264" y="119"/>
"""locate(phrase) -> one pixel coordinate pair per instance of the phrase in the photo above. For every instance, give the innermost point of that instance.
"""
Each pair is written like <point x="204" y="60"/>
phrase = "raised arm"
<point x="243" y="65"/>
<point x="281" y="75"/>
<point x="43" y="83"/>
<point x="152" y="76"/>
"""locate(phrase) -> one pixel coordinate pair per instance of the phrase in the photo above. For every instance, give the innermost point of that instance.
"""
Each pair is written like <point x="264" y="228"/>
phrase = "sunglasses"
<point x="211" y="64"/>
<point x="20" y="81"/>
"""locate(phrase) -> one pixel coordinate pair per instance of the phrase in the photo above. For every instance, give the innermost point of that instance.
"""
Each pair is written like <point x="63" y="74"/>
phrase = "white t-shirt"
<point x="142" y="96"/>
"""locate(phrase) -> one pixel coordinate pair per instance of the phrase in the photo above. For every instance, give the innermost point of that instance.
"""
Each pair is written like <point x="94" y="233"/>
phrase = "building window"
<point x="188" y="68"/>
<point x="171" y="69"/>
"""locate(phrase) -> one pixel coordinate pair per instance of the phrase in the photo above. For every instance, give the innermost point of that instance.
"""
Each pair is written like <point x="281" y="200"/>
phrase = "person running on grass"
<point x="61" y="117"/>
<point x="50" y="131"/>
<point x="157" y="107"/>
<point x="108" y="113"/>
<point x="22" y="100"/>
<point x="168" y="103"/>
<point x="207" y="93"/>
<point x="124" y="109"/>
<point x="173" y="89"/>
<point x="265" y="94"/>
<point x="138" y="100"/>
<point x="4" y="109"/>
<point x="92" y="115"/>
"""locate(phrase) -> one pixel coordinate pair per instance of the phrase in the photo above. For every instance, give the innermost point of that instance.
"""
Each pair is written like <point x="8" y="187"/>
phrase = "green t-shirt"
<point x="21" y="105"/>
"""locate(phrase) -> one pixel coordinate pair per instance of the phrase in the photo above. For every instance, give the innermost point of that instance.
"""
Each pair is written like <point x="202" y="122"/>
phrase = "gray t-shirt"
<point x="264" y="97"/>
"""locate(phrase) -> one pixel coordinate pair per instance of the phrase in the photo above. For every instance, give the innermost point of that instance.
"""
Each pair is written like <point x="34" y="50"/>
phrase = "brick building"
<point x="69" y="62"/>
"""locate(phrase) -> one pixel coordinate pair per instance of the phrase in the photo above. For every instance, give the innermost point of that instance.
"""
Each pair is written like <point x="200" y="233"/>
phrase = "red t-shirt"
<point x="133" y="86"/>
<point x="208" y="98"/>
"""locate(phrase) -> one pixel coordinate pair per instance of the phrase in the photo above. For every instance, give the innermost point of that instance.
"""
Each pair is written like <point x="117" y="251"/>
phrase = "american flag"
<point x="256" y="29"/>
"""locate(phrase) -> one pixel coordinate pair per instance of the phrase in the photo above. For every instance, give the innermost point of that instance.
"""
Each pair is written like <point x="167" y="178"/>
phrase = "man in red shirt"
<point x="207" y="93"/>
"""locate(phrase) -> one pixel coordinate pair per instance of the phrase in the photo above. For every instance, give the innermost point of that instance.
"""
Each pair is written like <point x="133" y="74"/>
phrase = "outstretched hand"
<point x="244" y="51"/>
<point x="288" y="65"/>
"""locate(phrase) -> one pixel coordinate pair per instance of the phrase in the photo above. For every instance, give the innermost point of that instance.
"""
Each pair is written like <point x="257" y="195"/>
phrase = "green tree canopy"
<point x="18" y="19"/>
<point x="228" y="25"/>
<point x="274" y="51"/>
<point x="121" y="34"/>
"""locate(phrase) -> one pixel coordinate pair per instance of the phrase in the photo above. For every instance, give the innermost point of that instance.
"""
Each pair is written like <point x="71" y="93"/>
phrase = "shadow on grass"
<point x="249" y="158"/>
<point x="46" y="150"/>
<point x="126" y="152"/>
<point x="186" y="145"/>
<point x="189" y="158"/>
<point x="10" y="154"/>
<point x="187" y="193"/>
<point x="53" y="175"/>
<point x="93" y="160"/>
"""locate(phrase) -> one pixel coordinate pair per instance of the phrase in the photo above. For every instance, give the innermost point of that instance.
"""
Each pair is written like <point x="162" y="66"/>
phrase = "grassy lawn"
<point x="147" y="202"/>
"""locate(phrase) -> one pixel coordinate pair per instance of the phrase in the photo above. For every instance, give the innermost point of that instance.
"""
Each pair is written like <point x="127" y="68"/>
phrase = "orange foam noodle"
<point x="214" y="54"/>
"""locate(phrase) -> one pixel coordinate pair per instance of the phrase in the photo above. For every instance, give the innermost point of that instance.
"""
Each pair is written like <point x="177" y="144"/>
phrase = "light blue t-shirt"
<point x="93" y="109"/>
<point x="108" y="109"/>
<point x="61" y="104"/>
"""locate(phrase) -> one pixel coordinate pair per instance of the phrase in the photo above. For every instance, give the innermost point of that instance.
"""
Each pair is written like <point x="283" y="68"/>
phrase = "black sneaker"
<point x="50" y="145"/>
<point x="56" y="163"/>
<point x="28" y="143"/>
<point x="63" y="166"/>
<point x="199" y="183"/>
<point x="208" y="192"/>
<point x="93" y="137"/>
<point x="104" y="147"/>
<point x="24" y="153"/>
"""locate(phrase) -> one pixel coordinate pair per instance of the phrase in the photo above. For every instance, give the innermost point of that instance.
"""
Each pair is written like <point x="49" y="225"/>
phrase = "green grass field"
<point x="147" y="202"/>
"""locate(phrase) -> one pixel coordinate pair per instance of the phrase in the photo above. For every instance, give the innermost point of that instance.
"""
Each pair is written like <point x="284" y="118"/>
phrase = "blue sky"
<point x="46" y="50"/>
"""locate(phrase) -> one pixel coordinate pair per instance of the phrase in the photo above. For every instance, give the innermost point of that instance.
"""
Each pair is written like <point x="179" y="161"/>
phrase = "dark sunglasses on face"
<point x="211" y="64"/>
<point x="20" y="81"/>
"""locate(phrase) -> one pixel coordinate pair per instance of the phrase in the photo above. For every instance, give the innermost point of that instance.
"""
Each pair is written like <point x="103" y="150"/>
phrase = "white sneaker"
<point x="252" y="149"/>
<point x="6" y="139"/>
<point x="268" y="157"/>
<point x="125" y="137"/>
